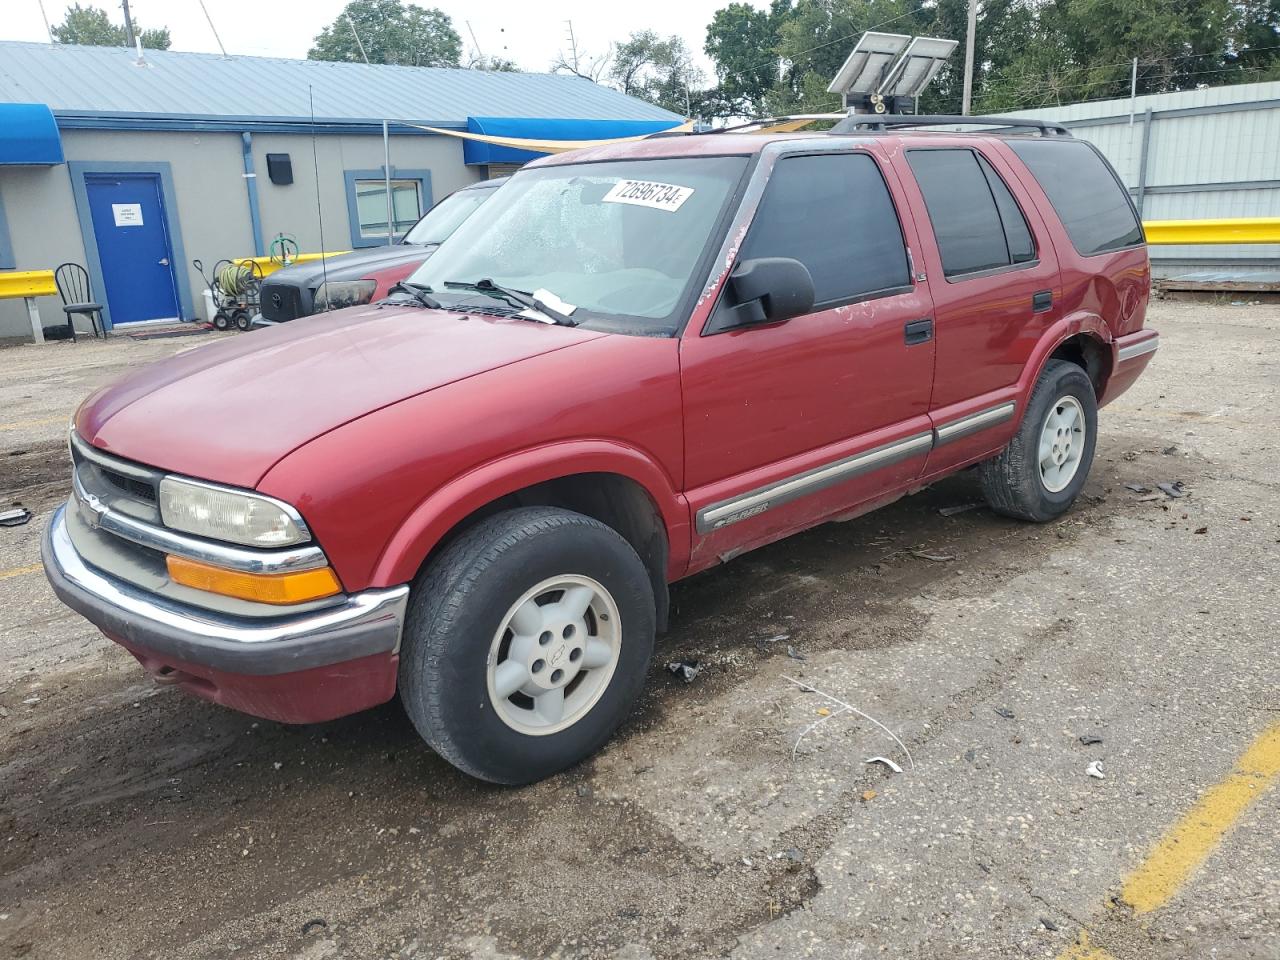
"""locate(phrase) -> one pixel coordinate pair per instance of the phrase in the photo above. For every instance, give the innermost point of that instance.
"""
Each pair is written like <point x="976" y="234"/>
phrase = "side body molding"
<point x="462" y="496"/>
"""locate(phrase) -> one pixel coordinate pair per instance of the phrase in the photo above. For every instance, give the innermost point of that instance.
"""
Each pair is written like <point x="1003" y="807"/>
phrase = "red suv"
<point x="642" y="361"/>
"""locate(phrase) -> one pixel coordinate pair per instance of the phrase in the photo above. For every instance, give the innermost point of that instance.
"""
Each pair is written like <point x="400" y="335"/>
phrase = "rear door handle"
<point x="1042" y="301"/>
<point x="918" y="331"/>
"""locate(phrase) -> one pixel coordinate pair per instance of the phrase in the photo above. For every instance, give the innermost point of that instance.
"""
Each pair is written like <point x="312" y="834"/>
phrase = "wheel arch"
<point x="1082" y="339"/>
<point x="611" y="482"/>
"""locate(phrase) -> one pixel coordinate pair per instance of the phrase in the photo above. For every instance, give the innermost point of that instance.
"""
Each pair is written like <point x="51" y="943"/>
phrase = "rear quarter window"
<point x="1085" y="193"/>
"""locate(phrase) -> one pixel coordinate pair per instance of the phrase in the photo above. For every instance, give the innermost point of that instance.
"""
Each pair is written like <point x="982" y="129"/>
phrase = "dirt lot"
<point x="137" y="823"/>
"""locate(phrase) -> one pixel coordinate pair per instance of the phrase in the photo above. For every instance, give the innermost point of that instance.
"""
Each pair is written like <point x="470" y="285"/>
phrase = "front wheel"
<point x="526" y="644"/>
<point x="1043" y="469"/>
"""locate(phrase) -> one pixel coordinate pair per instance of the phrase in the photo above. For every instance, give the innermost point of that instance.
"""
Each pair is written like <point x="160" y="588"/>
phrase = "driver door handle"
<point x="163" y="261"/>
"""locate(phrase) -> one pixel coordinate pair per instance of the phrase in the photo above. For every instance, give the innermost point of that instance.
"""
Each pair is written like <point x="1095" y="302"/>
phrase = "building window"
<point x="371" y="204"/>
<point x="367" y="203"/>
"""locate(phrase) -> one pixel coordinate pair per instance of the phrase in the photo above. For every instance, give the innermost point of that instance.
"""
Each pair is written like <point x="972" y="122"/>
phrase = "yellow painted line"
<point x="1082" y="949"/>
<point x="1188" y="844"/>
<point x="19" y="424"/>
<point x="20" y="571"/>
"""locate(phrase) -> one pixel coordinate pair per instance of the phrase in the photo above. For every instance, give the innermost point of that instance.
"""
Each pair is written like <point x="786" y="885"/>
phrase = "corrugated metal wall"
<point x="1199" y="154"/>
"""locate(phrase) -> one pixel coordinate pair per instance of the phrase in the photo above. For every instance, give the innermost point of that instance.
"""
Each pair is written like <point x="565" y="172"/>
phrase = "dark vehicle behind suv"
<point x="365" y="275"/>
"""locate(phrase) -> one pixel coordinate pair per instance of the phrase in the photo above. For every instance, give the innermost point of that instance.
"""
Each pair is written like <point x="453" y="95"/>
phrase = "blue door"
<point x="133" y="246"/>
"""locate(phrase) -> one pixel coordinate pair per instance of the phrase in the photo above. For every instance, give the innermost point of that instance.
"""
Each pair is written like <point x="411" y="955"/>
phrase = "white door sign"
<point x="127" y="214"/>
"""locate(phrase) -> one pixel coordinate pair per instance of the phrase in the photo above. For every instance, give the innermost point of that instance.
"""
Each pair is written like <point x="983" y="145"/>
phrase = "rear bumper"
<point x="1130" y="356"/>
<point x="283" y="658"/>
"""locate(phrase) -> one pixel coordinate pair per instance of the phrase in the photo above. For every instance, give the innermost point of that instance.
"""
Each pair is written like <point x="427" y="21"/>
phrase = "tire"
<point x="221" y="321"/>
<point x="456" y="647"/>
<point x="1014" y="482"/>
<point x="241" y="319"/>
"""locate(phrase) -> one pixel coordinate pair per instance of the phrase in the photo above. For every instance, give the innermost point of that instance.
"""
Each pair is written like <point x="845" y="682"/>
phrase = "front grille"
<point x="137" y="489"/>
<point x="280" y="302"/>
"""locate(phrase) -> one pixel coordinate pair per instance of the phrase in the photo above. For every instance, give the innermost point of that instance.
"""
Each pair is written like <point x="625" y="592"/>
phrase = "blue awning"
<point x="28" y="134"/>
<point x="533" y="128"/>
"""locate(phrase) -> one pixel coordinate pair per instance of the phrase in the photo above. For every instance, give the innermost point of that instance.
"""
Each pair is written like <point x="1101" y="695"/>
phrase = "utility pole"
<point x="128" y="25"/>
<point x="968" y="57"/>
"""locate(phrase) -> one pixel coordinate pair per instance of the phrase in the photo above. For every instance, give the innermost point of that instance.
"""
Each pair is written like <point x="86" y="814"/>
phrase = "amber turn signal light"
<point x="278" y="588"/>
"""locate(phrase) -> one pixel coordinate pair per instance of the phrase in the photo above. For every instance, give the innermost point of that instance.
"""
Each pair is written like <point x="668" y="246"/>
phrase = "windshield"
<point x="605" y="240"/>
<point x="446" y="216"/>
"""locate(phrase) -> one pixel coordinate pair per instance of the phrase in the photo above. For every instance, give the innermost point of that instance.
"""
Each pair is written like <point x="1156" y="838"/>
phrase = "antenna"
<point x="315" y="161"/>
<point x="476" y="43"/>
<point x="573" y="45"/>
<point x="45" y="17"/>
<point x="214" y="29"/>
<point x="352" y="24"/>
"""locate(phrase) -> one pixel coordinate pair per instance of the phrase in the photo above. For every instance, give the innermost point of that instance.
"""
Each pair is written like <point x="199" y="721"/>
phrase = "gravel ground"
<point x="135" y="822"/>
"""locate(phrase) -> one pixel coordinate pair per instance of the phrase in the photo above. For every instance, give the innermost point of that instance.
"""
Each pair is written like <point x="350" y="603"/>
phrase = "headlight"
<point x="336" y="294"/>
<point x="229" y="515"/>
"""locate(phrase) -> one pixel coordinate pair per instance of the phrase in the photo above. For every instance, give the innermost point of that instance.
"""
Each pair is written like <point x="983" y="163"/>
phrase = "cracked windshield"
<point x="603" y="241"/>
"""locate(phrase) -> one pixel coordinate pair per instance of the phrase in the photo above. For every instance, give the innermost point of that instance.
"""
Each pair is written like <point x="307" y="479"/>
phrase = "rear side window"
<point x="833" y="213"/>
<point x="1085" y="193"/>
<point x="976" y="221"/>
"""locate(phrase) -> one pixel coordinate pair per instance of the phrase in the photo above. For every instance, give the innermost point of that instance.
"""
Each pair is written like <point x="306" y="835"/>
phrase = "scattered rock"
<point x="1090" y="739"/>
<point x="583" y="790"/>
<point x="686" y="670"/>
<point x="1095" y="770"/>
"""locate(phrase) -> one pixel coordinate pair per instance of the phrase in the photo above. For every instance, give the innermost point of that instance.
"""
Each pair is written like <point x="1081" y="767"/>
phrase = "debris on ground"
<point x="314" y="924"/>
<point x="1137" y="487"/>
<point x="1090" y="739"/>
<point x="960" y="508"/>
<point x="795" y="654"/>
<point x="935" y="557"/>
<point x="583" y="790"/>
<point x="1150" y="497"/>
<point x="14" y="517"/>
<point x="778" y="639"/>
<point x="886" y="761"/>
<point x="686" y="670"/>
<point x="1004" y="712"/>
<point x="1202" y="530"/>
<point x="844" y="708"/>
<point x="868" y="796"/>
<point x="1175" y="490"/>
<point x="1048" y="924"/>
<point x="1095" y="770"/>
<point x="1169" y="451"/>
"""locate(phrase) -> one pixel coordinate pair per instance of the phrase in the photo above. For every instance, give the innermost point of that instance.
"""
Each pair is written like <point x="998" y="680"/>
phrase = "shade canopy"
<point x="29" y="135"/>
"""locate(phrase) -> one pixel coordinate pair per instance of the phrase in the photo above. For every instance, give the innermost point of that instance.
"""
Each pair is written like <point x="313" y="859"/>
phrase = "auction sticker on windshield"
<point x="646" y="193"/>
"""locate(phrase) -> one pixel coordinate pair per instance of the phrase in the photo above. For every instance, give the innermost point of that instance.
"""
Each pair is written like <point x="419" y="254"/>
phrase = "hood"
<point x="227" y="411"/>
<point x="351" y="266"/>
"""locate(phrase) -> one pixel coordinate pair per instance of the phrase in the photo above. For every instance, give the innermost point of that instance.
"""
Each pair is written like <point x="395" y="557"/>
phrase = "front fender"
<point x="451" y="503"/>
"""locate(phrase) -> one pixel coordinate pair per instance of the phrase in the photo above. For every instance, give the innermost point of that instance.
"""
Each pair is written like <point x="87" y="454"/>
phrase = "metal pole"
<point x="968" y="57"/>
<point x="215" y="31"/>
<point x="386" y="170"/>
<point x="128" y="24"/>
<point x="1133" y="90"/>
<point x="45" y="17"/>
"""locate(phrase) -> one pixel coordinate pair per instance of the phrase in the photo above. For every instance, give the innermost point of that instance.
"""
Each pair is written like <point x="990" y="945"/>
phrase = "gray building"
<point x="1195" y="155"/>
<point x="134" y="167"/>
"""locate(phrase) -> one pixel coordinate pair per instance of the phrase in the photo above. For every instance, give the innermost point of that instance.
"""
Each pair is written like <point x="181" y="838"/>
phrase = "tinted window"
<point x="1085" y="193"/>
<point x="833" y="213"/>
<point x="1016" y="232"/>
<point x="962" y="210"/>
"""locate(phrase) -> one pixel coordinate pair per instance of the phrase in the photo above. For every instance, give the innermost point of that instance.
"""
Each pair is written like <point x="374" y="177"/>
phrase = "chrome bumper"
<point x="364" y="624"/>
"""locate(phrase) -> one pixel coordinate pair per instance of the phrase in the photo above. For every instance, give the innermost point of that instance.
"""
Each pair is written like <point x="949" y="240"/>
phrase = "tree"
<point x="660" y="71"/>
<point x="92" y="27"/>
<point x="742" y="42"/>
<point x="389" y="32"/>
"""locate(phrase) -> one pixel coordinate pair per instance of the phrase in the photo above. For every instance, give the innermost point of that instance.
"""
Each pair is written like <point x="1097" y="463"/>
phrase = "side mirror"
<point x="769" y="290"/>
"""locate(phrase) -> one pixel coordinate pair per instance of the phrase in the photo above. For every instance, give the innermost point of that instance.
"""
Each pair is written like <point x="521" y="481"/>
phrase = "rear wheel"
<point x="1043" y="469"/>
<point x="221" y="321"/>
<point x="526" y="644"/>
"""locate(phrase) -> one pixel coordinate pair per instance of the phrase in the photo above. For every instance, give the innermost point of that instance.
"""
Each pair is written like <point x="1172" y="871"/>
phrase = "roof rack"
<point x="860" y="121"/>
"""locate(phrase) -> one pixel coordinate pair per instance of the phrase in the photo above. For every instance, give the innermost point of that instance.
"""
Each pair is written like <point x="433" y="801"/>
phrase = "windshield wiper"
<point x="418" y="292"/>
<point x="520" y="297"/>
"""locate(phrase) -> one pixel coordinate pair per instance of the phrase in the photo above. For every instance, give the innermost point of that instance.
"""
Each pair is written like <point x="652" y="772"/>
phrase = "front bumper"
<point x="364" y="625"/>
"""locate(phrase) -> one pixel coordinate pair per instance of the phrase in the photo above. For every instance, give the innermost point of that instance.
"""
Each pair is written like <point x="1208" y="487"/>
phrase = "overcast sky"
<point x="530" y="33"/>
